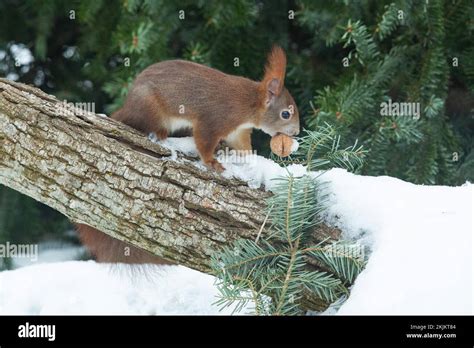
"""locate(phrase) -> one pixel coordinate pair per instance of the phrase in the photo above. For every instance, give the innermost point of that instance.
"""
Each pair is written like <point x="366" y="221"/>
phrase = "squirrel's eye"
<point x="285" y="114"/>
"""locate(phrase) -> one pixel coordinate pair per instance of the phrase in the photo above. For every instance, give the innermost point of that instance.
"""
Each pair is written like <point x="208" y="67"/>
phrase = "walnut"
<point x="282" y="145"/>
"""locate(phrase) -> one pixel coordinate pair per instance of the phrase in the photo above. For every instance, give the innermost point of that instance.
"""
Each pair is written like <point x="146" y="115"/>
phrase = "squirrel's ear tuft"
<point x="274" y="77"/>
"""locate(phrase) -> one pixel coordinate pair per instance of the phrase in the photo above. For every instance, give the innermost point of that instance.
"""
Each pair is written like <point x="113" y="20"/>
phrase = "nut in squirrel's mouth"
<point x="288" y="135"/>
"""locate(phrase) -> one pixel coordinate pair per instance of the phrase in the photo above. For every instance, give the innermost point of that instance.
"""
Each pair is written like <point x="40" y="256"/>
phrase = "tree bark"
<point x="102" y="173"/>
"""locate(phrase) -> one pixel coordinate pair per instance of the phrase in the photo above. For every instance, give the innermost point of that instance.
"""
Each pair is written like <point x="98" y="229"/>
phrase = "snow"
<point x="86" y="287"/>
<point x="22" y="54"/>
<point x="185" y="145"/>
<point x="419" y="240"/>
<point x="51" y="252"/>
<point x="255" y="170"/>
<point x="295" y="145"/>
<point x="261" y="171"/>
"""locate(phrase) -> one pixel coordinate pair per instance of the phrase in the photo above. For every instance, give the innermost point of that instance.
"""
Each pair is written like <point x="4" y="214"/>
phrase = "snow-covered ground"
<point x="420" y="240"/>
<point x="53" y="251"/>
<point x="86" y="287"/>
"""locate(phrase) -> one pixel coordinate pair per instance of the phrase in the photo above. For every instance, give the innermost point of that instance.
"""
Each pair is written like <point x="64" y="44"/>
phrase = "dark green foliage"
<point x="404" y="51"/>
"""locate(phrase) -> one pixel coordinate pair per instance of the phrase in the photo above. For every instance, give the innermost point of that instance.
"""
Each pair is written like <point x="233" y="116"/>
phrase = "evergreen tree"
<point x="405" y="52"/>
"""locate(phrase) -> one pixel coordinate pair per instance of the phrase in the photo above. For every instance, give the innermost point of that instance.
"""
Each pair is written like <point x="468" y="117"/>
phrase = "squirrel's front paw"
<point x="214" y="164"/>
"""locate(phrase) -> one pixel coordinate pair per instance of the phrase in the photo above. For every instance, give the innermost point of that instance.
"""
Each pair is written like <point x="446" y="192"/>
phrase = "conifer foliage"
<point x="271" y="274"/>
<point x="401" y="67"/>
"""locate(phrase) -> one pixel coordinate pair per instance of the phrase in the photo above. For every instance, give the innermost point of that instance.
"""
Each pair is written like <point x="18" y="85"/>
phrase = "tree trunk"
<point x="104" y="174"/>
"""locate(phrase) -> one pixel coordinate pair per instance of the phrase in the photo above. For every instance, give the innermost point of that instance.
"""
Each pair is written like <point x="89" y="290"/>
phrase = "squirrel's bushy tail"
<point x="107" y="249"/>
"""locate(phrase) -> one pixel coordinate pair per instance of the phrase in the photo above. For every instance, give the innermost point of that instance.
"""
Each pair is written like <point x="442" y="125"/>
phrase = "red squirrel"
<point x="173" y="95"/>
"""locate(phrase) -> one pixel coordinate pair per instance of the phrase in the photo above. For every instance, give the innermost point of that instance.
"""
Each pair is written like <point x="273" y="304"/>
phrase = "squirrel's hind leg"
<point x="143" y="114"/>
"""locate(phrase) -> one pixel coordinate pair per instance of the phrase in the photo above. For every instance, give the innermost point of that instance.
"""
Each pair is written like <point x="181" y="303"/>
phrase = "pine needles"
<point x="272" y="273"/>
<point x="403" y="55"/>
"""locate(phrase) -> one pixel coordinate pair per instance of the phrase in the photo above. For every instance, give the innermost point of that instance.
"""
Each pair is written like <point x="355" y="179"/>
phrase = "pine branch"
<point x="278" y="275"/>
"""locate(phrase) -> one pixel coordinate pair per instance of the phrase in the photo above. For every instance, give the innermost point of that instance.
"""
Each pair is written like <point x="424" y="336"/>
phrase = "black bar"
<point x="141" y="330"/>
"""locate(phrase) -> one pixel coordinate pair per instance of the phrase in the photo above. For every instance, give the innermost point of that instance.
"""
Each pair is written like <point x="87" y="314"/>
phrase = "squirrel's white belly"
<point x="235" y="134"/>
<point x="175" y="124"/>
